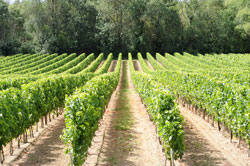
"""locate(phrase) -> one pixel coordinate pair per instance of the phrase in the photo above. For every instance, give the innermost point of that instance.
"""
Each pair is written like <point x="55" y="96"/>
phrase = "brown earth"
<point x="206" y="146"/>
<point x="112" y="66"/>
<point x="126" y="136"/>
<point x="129" y="137"/>
<point x="47" y="150"/>
<point x="137" y="65"/>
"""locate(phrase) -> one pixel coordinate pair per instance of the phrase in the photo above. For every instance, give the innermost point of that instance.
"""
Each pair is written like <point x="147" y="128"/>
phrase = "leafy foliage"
<point x="67" y="26"/>
<point x="104" y="68"/>
<point x="94" y="65"/>
<point x="83" y="111"/>
<point x="21" y="108"/>
<point x="15" y="82"/>
<point x="223" y="94"/>
<point x="82" y="65"/>
<point x="161" y="104"/>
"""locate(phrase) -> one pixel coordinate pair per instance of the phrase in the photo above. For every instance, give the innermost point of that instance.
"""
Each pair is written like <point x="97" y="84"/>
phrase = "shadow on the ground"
<point x="44" y="151"/>
<point x="198" y="151"/>
<point x="136" y="65"/>
<point x="118" y="143"/>
<point x="112" y="66"/>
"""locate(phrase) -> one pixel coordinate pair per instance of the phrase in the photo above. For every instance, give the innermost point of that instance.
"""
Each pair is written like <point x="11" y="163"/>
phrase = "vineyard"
<point x="117" y="98"/>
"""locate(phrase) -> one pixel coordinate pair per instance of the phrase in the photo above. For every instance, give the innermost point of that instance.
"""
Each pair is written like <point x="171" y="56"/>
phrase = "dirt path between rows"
<point x="112" y="66"/>
<point x="128" y="137"/>
<point x="137" y="65"/>
<point x="206" y="146"/>
<point x="47" y="150"/>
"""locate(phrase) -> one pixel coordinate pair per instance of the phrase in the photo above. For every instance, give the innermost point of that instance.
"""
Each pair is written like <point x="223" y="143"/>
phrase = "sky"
<point x="10" y="1"/>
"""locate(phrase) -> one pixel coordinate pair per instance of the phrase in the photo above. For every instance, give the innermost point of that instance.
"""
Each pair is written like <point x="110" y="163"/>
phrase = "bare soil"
<point x="206" y="146"/>
<point x="129" y="137"/>
<point x="112" y="66"/>
<point x="47" y="150"/>
<point x="137" y="65"/>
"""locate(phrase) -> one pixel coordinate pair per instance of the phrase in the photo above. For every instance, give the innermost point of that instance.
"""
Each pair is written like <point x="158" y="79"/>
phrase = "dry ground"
<point x="47" y="150"/>
<point x="129" y="137"/>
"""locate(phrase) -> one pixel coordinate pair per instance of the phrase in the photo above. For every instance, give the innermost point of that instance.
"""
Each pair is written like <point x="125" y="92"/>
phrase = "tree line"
<point x="66" y="26"/>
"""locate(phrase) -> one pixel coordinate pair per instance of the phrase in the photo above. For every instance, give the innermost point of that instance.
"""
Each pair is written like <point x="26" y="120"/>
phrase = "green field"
<point x="34" y="86"/>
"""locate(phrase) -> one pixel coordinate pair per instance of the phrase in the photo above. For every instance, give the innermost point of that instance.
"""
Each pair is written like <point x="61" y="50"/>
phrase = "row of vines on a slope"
<point x="55" y="64"/>
<point x="21" y="108"/>
<point x="35" y="58"/>
<point x="82" y="65"/>
<point x="16" y="69"/>
<point x="104" y="68"/>
<point x="54" y="58"/>
<point x="162" y="106"/>
<point x="27" y="99"/>
<point x="94" y="65"/>
<point x="84" y="109"/>
<point x="207" y="84"/>
<point x="16" y="80"/>
<point x="224" y="96"/>
<point x="68" y="65"/>
<point x="50" y="64"/>
<point x="10" y="58"/>
<point x="219" y="74"/>
<point x="18" y="60"/>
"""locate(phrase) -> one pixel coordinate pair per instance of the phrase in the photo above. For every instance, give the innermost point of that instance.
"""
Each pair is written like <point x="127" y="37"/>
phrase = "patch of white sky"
<point x="11" y="1"/>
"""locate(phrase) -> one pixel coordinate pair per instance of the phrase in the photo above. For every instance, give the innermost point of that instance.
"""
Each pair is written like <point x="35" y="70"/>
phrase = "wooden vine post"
<point x="62" y="110"/>
<point x="57" y="113"/>
<point x="1" y="160"/>
<point x="31" y="132"/>
<point x="42" y="124"/>
<point x="172" y="157"/>
<point x="212" y="121"/>
<point x="24" y="137"/>
<point x="49" y="117"/>
<point x="219" y="128"/>
<point x="11" y="148"/>
<point x="18" y="142"/>
<point x="46" y="120"/>
<point x="2" y="156"/>
<point x="231" y="136"/>
<point x="239" y="140"/>
<point x="71" y="159"/>
<point x="204" y="114"/>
